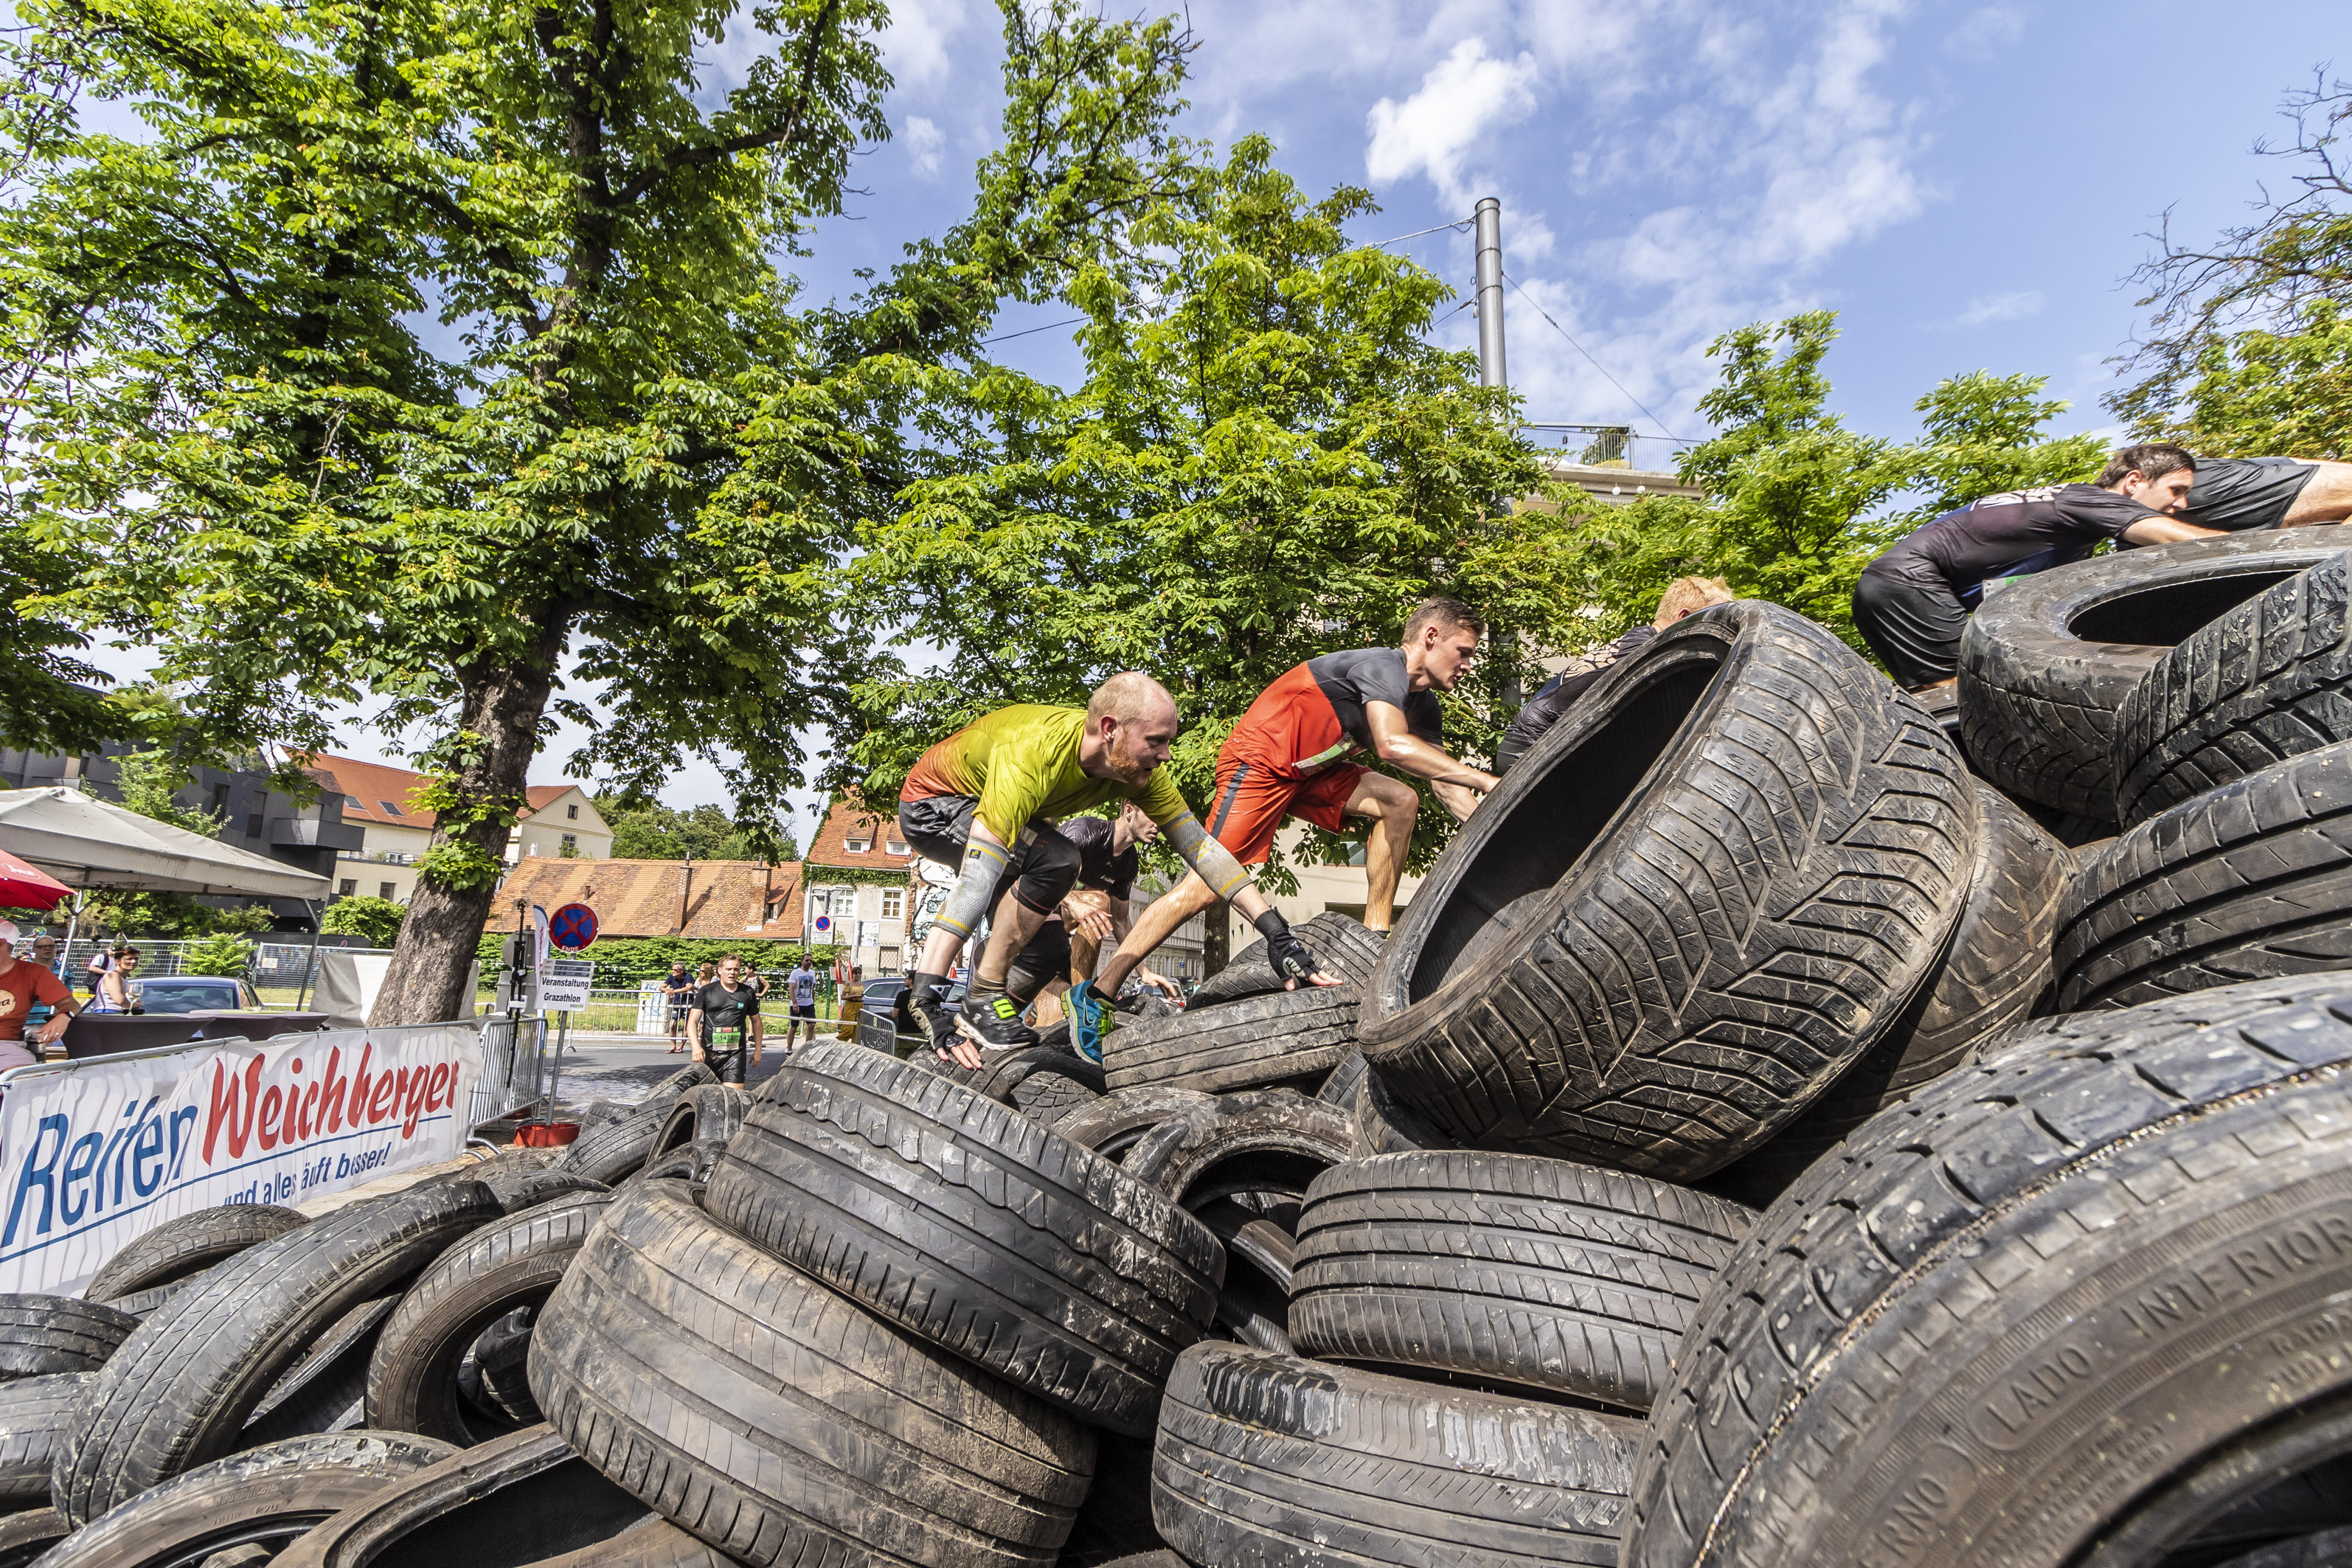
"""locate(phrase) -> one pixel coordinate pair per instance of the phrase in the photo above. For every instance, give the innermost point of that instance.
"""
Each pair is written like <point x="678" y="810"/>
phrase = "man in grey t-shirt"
<point x="800" y="986"/>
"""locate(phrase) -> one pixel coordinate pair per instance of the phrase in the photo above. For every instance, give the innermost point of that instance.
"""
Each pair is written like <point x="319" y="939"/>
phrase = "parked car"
<point x="198" y="994"/>
<point x="884" y="1022"/>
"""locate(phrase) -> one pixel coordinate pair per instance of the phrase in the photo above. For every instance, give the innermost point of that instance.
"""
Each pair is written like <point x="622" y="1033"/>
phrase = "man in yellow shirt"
<point x="984" y="800"/>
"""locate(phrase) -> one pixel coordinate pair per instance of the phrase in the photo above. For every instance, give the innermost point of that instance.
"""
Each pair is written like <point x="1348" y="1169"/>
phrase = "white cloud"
<point x="2013" y="307"/>
<point x="916" y="44"/>
<point x="1462" y="100"/>
<point x="924" y="141"/>
<point x="1985" y="32"/>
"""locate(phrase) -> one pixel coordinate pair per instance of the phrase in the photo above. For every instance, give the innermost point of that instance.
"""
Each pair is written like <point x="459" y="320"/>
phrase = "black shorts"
<point x="1912" y="624"/>
<point x="1041" y="866"/>
<point x="2242" y="493"/>
<point x="729" y="1067"/>
<point x="1045" y="959"/>
<point x="808" y="1011"/>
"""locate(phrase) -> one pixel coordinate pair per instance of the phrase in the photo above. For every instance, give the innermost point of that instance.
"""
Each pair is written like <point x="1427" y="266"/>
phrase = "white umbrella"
<point x="86" y="842"/>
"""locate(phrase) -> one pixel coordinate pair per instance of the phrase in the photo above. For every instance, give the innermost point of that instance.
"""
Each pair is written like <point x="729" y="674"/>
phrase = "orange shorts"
<point x="1253" y="799"/>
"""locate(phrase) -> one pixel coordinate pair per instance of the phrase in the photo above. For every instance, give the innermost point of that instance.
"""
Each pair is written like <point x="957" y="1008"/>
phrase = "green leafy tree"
<point x="221" y="953"/>
<point x="658" y="832"/>
<point x="150" y="782"/>
<point x="377" y="921"/>
<point x="410" y="350"/>
<point x="2246" y="351"/>
<point x="1267" y="459"/>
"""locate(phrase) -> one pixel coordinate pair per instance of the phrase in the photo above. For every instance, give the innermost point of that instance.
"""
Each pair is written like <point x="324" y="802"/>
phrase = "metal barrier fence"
<point x="517" y="1069"/>
<point x="274" y="963"/>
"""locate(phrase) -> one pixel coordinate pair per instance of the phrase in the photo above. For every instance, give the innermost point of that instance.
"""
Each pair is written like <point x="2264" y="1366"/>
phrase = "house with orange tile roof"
<point x="396" y="832"/>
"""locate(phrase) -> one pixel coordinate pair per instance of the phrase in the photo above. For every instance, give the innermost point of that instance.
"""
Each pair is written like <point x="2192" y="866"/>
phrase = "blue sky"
<point x="1968" y="186"/>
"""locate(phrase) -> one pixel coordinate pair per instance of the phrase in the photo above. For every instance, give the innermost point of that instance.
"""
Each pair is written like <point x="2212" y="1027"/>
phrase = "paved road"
<point x="621" y="1067"/>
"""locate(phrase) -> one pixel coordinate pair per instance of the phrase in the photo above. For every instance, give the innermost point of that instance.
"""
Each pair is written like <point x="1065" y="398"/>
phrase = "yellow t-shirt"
<point x="1021" y="763"/>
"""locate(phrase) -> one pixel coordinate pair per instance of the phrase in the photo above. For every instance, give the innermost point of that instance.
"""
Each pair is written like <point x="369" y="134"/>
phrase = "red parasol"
<point x="22" y="888"/>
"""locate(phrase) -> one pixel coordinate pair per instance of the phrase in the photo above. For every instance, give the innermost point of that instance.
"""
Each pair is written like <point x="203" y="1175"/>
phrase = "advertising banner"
<point x="94" y="1153"/>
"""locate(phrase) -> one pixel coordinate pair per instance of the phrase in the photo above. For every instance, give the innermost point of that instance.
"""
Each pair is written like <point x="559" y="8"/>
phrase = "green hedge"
<point x="622" y="962"/>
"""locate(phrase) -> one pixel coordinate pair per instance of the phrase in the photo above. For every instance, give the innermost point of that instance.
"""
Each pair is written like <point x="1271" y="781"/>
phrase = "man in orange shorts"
<point x="1285" y="759"/>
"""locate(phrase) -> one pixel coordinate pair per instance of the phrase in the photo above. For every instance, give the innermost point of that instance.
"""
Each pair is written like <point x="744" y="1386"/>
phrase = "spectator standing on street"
<point x="801" y="983"/>
<point x="725" y="1020"/>
<point x="678" y="989"/>
<point x="852" y="1003"/>
<point x="95" y="969"/>
<point x="24" y="985"/>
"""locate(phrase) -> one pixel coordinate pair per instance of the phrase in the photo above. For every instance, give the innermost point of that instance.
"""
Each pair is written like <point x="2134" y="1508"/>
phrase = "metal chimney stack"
<point x="1491" y="371"/>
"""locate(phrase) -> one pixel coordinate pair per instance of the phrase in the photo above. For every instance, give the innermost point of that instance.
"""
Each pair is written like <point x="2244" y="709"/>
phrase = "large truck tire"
<point x="2046" y="664"/>
<point x="967" y="1224"/>
<point x="2268" y="681"/>
<point x="1997" y="966"/>
<point x="2250" y="880"/>
<point x="1507" y="1269"/>
<point x="1687" y="910"/>
<point x="2072" y="1296"/>
<point x="1266" y="1461"/>
<point x="783" y="1424"/>
<point x="178" y="1392"/>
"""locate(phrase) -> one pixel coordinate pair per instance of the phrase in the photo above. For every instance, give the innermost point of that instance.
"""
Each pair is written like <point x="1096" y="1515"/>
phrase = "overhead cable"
<point x="1596" y="364"/>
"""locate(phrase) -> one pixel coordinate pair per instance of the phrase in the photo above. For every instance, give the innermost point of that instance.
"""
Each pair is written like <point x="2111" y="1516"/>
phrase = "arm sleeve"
<point x="1212" y="860"/>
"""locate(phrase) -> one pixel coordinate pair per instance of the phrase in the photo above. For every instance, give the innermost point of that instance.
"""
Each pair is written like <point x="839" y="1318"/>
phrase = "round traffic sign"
<point x="572" y="926"/>
<point x="824" y="922"/>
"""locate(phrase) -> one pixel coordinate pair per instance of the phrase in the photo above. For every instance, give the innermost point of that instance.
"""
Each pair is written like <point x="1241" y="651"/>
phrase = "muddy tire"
<point x="178" y="1392"/>
<point x="27" y="1536"/>
<point x="972" y="1227"/>
<point x="326" y="1390"/>
<point x="270" y="1496"/>
<point x="712" y="1111"/>
<point x="1249" y="1044"/>
<point x="1997" y="966"/>
<point x="34" y="1414"/>
<point x="523" y="1501"/>
<point x="1385" y="1125"/>
<point x="1691" y="905"/>
<point x="1117" y="1122"/>
<point x="782" y="1424"/>
<point x="2046" y="665"/>
<point x="1267" y="1461"/>
<point x="1346" y="948"/>
<point x="1507" y="1269"/>
<point x="413" y="1377"/>
<point x="1267" y="1140"/>
<point x="178" y="1249"/>
<point x="2269" y="681"/>
<point x="44" y="1335"/>
<point x="2063" y="1296"/>
<point x="2252" y="880"/>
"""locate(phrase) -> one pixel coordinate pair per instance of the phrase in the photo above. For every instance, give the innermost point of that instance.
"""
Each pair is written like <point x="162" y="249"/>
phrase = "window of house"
<point x="572" y="812"/>
<point x="347" y="886"/>
<point x="572" y="841"/>
<point x="894" y="902"/>
<point x="385" y="889"/>
<point x="857" y="846"/>
<point x="354" y="800"/>
<point x="220" y="798"/>
<point x="893" y="847"/>
<point x="390" y="809"/>
<point x="886" y="960"/>
<point x="253" y="825"/>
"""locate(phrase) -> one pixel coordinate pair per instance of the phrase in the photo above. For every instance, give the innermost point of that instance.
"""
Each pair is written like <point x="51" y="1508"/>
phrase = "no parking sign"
<point x="572" y="926"/>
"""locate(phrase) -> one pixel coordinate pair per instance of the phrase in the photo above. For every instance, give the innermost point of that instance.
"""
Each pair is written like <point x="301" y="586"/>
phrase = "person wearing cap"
<point x="23" y="984"/>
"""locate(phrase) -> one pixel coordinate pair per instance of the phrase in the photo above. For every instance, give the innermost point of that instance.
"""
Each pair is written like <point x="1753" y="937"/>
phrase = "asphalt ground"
<point x="621" y="1069"/>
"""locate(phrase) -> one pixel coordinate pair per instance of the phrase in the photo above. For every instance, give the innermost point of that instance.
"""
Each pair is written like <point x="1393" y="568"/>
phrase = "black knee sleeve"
<point x="1049" y="869"/>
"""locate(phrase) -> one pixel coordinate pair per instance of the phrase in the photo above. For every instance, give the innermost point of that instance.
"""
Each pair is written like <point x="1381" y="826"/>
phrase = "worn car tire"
<point x="1049" y="1094"/>
<point x="44" y="1335"/>
<point x="2046" y="664"/>
<point x="34" y="1414"/>
<point x="2268" y="681"/>
<point x="412" y="1379"/>
<point x="266" y="1496"/>
<point x="178" y="1392"/>
<point x="1385" y="1125"/>
<point x="1345" y="947"/>
<point x="691" y="1164"/>
<point x="187" y="1245"/>
<point x="971" y="1225"/>
<point x="1691" y="905"/>
<point x="1117" y="1122"/>
<point x="1258" y="1041"/>
<point x="27" y="1536"/>
<point x="712" y="1111"/>
<point x="2026" y="1312"/>
<point x="1266" y="1461"/>
<point x="326" y="1389"/>
<point x="778" y="1421"/>
<point x="1996" y="967"/>
<point x="1507" y="1269"/>
<point x="522" y="1501"/>
<point x="2250" y="880"/>
<point x="1263" y="1141"/>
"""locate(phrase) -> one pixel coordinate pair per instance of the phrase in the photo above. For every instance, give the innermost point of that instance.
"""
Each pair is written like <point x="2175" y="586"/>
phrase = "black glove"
<point x="1284" y="950"/>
